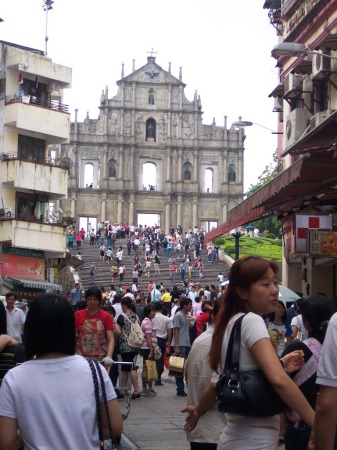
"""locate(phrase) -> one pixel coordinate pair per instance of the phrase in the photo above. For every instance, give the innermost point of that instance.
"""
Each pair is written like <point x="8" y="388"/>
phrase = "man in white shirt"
<point x="156" y="294"/>
<point x="163" y="326"/>
<point x="192" y="294"/>
<point x="15" y="318"/>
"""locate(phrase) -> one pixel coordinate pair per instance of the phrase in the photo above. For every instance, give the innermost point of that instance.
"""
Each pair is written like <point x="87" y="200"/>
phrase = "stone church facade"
<point x="198" y="169"/>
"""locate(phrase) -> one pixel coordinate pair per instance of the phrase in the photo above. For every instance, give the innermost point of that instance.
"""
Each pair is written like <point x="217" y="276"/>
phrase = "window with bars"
<point x="31" y="148"/>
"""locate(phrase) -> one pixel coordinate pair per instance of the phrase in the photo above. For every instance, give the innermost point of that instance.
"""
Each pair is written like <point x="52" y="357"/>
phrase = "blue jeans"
<point x="184" y="351"/>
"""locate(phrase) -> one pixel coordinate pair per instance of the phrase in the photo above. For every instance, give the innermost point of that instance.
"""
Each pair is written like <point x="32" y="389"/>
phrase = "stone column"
<point x="240" y="169"/>
<point x="179" y="202"/>
<point x="133" y="116"/>
<point x="224" y="212"/>
<point x="103" y="209"/>
<point x="131" y="209"/>
<point x="180" y="156"/>
<point x="168" y="164"/>
<point x="120" y="163"/>
<point x="225" y="169"/>
<point x="132" y="155"/>
<point x="120" y="208"/>
<point x="73" y="207"/>
<point x="195" y="166"/>
<point x="133" y="94"/>
<point x="195" y="213"/>
<point x="122" y="123"/>
<point x="167" y="215"/>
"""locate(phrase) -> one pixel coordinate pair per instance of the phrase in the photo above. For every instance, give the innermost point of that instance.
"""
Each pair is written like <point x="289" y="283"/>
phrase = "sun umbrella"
<point x="249" y="227"/>
<point x="224" y="283"/>
<point x="287" y="295"/>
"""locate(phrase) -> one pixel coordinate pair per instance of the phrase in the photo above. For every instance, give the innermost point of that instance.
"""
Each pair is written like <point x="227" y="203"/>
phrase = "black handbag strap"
<point x="232" y="361"/>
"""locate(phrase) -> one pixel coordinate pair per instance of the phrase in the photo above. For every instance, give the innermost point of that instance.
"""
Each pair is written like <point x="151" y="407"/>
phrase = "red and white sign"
<point x="303" y="223"/>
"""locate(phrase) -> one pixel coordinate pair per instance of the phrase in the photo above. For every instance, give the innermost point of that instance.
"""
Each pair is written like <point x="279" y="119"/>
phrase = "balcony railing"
<point x="287" y="5"/>
<point x="20" y="97"/>
<point x="31" y="218"/>
<point x="54" y="162"/>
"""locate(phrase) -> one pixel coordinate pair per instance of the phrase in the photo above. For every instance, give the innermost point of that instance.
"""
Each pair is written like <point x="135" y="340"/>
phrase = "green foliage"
<point x="219" y="241"/>
<point x="270" y="236"/>
<point x="266" y="248"/>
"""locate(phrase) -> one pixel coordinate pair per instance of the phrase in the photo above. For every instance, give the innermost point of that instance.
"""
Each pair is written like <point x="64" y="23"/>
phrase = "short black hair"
<point x="184" y="301"/>
<point x="147" y="310"/>
<point x="127" y="301"/>
<point x="94" y="291"/>
<point x="49" y="327"/>
<point x="158" y="306"/>
<point x="11" y="294"/>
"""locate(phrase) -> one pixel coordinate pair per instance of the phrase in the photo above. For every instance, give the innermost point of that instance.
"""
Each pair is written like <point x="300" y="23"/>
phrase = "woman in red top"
<point x="94" y="329"/>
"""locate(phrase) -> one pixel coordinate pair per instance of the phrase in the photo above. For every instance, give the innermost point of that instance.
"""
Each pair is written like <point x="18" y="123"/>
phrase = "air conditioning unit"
<point x="293" y="82"/>
<point x="278" y="104"/>
<point x="317" y="119"/>
<point x="295" y="126"/>
<point x="321" y="66"/>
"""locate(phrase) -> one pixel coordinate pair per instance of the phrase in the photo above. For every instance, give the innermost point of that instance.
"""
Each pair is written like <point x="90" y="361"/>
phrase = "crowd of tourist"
<point x="192" y="320"/>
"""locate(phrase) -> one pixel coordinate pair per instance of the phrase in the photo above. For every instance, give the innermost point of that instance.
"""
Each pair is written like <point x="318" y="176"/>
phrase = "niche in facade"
<point x="151" y="129"/>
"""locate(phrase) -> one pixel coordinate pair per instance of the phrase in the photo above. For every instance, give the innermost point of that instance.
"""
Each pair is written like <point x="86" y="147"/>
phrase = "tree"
<point x="269" y="223"/>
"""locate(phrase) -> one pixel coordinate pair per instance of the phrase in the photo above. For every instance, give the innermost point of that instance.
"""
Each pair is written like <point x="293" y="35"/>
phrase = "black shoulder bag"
<point x="246" y="393"/>
<point x="96" y="369"/>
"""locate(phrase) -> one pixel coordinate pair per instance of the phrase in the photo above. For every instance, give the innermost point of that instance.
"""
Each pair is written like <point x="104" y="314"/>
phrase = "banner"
<point x="323" y="243"/>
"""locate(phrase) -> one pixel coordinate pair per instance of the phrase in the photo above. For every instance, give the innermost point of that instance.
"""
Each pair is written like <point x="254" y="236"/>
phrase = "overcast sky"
<point x="223" y="47"/>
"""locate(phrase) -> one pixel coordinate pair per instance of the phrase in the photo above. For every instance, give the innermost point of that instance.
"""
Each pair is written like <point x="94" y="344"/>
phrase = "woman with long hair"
<point x="56" y="411"/>
<point x="279" y="328"/>
<point x="316" y="312"/>
<point x="252" y="292"/>
<point x="7" y="356"/>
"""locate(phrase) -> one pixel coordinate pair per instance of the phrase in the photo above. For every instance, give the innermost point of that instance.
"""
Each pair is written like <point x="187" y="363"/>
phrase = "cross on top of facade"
<point x="152" y="52"/>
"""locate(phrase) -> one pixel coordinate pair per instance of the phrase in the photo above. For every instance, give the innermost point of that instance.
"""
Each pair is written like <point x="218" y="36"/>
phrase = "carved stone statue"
<point x="232" y="174"/>
<point x="150" y="130"/>
<point x="112" y="171"/>
<point x="187" y="174"/>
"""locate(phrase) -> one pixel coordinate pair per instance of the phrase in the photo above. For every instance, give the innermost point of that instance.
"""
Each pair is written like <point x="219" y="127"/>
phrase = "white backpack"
<point x="136" y="337"/>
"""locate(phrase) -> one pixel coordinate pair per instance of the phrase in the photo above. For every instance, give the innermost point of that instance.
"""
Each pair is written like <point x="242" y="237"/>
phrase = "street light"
<point x="237" y="236"/>
<point x="247" y="123"/>
<point x="296" y="49"/>
<point x="46" y="7"/>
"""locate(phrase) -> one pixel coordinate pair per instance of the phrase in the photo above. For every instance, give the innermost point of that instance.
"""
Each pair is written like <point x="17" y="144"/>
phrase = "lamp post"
<point x="247" y="123"/>
<point x="237" y="236"/>
<point x="46" y="7"/>
<point x="296" y="49"/>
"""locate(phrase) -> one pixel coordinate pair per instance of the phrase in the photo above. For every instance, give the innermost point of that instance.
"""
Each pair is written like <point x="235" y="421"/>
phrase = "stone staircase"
<point x="103" y="273"/>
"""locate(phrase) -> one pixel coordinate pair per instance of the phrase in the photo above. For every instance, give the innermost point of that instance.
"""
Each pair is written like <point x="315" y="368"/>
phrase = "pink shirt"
<point x="149" y="328"/>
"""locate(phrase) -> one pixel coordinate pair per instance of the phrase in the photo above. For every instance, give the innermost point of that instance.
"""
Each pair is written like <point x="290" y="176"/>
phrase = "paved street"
<point x="156" y="423"/>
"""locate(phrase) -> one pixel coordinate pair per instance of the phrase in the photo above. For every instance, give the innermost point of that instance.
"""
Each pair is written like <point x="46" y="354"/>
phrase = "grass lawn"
<point x="261" y="246"/>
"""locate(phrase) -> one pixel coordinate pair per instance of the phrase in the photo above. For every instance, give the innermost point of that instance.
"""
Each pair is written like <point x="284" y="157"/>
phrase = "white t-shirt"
<point x="199" y="373"/>
<point x="57" y="410"/>
<point x="297" y="321"/>
<point x="162" y="324"/>
<point x="327" y="368"/>
<point x="253" y="329"/>
<point x="15" y="321"/>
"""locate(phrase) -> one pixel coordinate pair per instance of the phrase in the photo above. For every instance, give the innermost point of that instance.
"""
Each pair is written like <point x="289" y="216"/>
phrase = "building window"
<point x="151" y="97"/>
<point x="149" y="176"/>
<point x="89" y="175"/>
<point x="31" y="148"/>
<point x="151" y="129"/>
<point x="209" y="180"/>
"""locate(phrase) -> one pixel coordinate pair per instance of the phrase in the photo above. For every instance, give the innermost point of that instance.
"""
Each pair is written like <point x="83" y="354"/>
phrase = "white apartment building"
<point x="33" y="119"/>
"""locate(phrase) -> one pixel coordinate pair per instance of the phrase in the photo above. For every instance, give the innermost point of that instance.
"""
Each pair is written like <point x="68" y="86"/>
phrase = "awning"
<point x="310" y="176"/>
<point x="277" y="92"/>
<point x="45" y="285"/>
<point x="321" y="137"/>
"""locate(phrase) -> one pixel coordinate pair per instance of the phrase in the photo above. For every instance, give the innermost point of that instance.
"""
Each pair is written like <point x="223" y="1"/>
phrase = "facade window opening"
<point x="151" y="129"/>
<point x="89" y="175"/>
<point x="151" y="97"/>
<point x="112" y="168"/>
<point x="149" y="177"/>
<point x="209" y="180"/>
